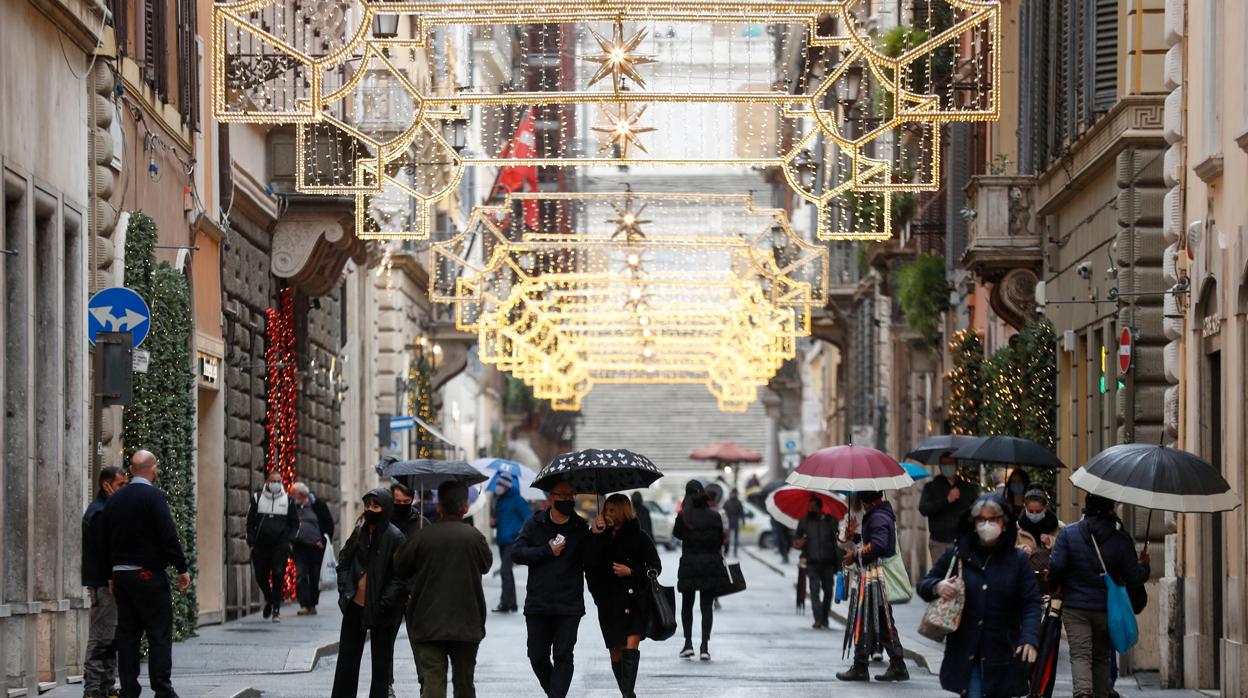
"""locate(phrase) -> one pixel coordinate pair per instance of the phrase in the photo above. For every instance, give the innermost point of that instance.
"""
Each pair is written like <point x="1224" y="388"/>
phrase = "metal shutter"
<point x="1103" y="77"/>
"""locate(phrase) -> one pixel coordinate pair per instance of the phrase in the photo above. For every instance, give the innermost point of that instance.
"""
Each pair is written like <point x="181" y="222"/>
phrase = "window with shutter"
<point x="1104" y="54"/>
<point x="188" y="64"/>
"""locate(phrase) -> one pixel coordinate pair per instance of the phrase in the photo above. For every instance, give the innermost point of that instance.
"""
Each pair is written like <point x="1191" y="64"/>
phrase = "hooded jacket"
<point x="510" y="513"/>
<point x="1075" y="568"/>
<point x="556" y="583"/>
<point x="372" y="553"/>
<point x="272" y="519"/>
<point x="879" y="532"/>
<point x="1002" y="611"/>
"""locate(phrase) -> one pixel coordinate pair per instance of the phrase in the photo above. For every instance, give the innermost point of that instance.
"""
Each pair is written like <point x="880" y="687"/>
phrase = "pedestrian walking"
<point x="551" y="545"/>
<point x="783" y="538"/>
<point x="510" y="513"/>
<point x="986" y="656"/>
<point x="316" y="530"/>
<point x="643" y="515"/>
<point x="1015" y="489"/>
<point x="735" y="511"/>
<point x="99" y="668"/>
<point x="445" y="614"/>
<point x="701" y="572"/>
<point x="619" y="558"/>
<point x="140" y="542"/>
<point x="406" y="515"/>
<point x="272" y="524"/>
<point x="878" y="540"/>
<point x="816" y="538"/>
<point x="370" y="595"/>
<point x="1076" y="568"/>
<point x="946" y="502"/>
<point x="1037" y="532"/>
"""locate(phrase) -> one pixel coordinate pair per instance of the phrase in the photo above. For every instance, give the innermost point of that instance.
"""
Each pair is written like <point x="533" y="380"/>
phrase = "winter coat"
<point x="1002" y="612"/>
<point x="1029" y="537"/>
<point x="95" y="568"/>
<point x="443" y="563"/>
<point x="735" y="511"/>
<point x="510" y="513"/>
<point x="556" y="584"/>
<point x="411" y="525"/>
<point x="1074" y="567"/>
<point x="879" y="532"/>
<point x="644" y="520"/>
<point x="701" y="532"/>
<point x="372" y="553"/>
<point x="820" y="535"/>
<point x="272" y="520"/>
<point x="623" y="602"/>
<point x="138" y="529"/>
<point x="944" y="520"/>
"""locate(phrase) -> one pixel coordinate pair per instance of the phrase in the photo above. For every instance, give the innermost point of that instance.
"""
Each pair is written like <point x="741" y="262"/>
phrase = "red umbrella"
<point x="726" y="452"/>
<point x="850" y="468"/>
<point x="789" y="504"/>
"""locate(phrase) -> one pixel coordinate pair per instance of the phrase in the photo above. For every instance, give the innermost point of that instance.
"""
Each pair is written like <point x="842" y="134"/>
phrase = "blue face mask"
<point x="1017" y="488"/>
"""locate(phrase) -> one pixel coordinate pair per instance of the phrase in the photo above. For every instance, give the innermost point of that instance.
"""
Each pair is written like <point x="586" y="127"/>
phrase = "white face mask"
<point x="1034" y="517"/>
<point x="989" y="531"/>
<point x="275" y="487"/>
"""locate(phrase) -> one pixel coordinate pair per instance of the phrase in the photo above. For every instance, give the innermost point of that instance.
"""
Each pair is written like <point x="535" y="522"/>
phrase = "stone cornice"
<point x="1210" y="169"/>
<point x="80" y="20"/>
<point x="1134" y="120"/>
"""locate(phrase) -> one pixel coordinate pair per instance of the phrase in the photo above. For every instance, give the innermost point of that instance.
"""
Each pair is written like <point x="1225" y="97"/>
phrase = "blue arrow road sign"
<point x="118" y="309"/>
<point x="402" y="423"/>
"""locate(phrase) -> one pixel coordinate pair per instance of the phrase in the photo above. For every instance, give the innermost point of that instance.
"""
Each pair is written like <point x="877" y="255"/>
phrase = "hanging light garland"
<point x="281" y="420"/>
<point x="313" y="63"/>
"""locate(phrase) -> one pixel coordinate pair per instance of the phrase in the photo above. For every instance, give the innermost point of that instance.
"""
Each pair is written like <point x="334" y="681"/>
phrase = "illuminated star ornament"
<point x="623" y="131"/>
<point x="628" y="222"/>
<point x="617" y="59"/>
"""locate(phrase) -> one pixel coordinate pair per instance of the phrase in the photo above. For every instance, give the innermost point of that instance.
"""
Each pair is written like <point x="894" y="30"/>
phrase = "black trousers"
<point x="707" y="607"/>
<point x="144" y="605"/>
<point x="507" y="601"/>
<point x="551" y="641"/>
<point x="351" y="650"/>
<point x="822" y="579"/>
<point x="269" y="563"/>
<point x="892" y="643"/>
<point x="308" y="560"/>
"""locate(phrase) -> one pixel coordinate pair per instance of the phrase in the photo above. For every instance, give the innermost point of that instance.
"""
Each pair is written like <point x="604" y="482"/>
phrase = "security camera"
<point x="1084" y="269"/>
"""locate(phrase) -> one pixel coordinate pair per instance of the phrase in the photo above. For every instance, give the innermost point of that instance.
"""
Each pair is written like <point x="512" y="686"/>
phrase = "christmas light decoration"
<point x="420" y="397"/>
<point x="965" y="386"/>
<point x="281" y="419"/>
<point x="276" y="62"/>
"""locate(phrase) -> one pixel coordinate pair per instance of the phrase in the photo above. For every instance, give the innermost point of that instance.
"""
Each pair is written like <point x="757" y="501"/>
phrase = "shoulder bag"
<point x="943" y="616"/>
<point x="661" y="623"/>
<point x="896" y="579"/>
<point x="1120" y="616"/>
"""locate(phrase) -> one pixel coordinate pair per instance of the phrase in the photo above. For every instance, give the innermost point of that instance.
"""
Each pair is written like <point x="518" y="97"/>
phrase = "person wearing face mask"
<point x="877" y="540"/>
<point x="986" y="656"/>
<point x="1037" y="531"/>
<point x="406" y="516"/>
<point x="370" y="594"/>
<point x="272" y="524"/>
<point x="619" y="556"/>
<point x="1076" y="567"/>
<point x="316" y="528"/>
<point x="510" y="513"/>
<point x="816" y="538"/>
<point x="99" y="667"/>
<point x="946" y="501"/>
<point x="551" y="545"/>
<point x="1015" y="489"/>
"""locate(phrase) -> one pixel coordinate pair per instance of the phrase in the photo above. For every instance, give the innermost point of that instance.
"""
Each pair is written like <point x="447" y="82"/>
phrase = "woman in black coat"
<point x="618" y="558"/>
<point x="986" y="656"/>
<point x="701" y="532"/>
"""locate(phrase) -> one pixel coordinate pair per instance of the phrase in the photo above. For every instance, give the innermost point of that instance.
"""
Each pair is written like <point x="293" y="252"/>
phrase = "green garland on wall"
<point x="162" y="417"/>
<point x="420" y="399"/>
<point x="1003" y="389"/>
<point x="1037" y="355"/>
<point x="965" y="389"/>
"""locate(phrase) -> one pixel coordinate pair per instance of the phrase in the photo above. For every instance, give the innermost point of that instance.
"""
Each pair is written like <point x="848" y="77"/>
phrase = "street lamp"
<point x="385" y="26"/>
<point x="849" y="87"/>
<point x="455" y="131"/>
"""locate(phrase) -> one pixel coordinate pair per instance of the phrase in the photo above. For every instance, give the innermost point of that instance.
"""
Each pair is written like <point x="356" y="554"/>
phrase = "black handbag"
<point x="735" y="579"/>
<point x="662" y="621"/>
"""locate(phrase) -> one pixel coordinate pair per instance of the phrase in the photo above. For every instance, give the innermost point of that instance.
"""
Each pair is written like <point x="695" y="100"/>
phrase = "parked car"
<point x="662" y="520"/>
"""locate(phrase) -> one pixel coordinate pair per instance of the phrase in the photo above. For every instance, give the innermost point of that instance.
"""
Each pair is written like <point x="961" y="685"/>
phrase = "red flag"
<point x="514" y="178"/>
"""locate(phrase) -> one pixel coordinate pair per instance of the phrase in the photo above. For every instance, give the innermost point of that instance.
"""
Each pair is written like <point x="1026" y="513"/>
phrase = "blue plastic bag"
<point x="840" y="594"/>
<point x="1123" y="631"/>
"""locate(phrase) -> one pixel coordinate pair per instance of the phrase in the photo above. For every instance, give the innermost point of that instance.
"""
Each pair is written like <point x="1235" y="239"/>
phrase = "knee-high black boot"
<point x="629" y="666"/>
<point x="616" y="669"/>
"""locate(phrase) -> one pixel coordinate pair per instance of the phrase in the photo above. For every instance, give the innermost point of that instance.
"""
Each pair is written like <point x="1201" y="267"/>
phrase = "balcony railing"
<point x="1001" y="228"/>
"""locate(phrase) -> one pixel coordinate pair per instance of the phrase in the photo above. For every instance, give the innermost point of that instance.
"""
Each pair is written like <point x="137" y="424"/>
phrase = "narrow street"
<point x="760" y="648"/>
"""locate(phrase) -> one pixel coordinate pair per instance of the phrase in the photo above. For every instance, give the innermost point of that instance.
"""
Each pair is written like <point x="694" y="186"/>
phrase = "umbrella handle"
<point x="1148" y="523"/>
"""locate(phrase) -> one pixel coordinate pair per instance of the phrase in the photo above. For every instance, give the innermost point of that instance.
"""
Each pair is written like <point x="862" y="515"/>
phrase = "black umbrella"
<point x="1156" y="477"/>
<point x="427" y="474"/>
<point x="1009" y="450"/>
<point x="931" y="449"/>
<point x="760" y="495"/>
<point x="1044" y="671"/>
<point x="599" y="471"/>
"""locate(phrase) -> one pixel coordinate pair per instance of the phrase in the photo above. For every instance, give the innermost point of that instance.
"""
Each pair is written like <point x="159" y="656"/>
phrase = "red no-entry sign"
<point x="1126" y="345"/>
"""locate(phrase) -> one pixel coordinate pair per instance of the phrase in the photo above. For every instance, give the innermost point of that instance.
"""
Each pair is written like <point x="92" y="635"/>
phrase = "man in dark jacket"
<point x="407" y="517"/>
<point x="551" y="545"/>
<point x="140" y="541"/>
<point x="100" y="666"/>
<point x="877" y="541"/>
<point x="370" y="594"/>
<point x="272" y="523"/>
<point x="735" y="511"/>
<point x="946" y="502"/>
<point x="446" y="612"/>
<point x="510" y="513"/>
<point x="643" y="514"/>
<point x="1075" y="567"/>
<point x="316" y="527"/>
<point x="816" y="538"/>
